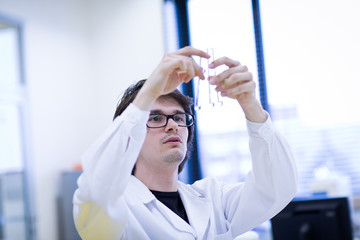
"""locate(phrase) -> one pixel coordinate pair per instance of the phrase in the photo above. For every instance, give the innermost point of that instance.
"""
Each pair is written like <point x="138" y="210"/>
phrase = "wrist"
<point x="254" y="112"/>
<point x="144" y="99"/>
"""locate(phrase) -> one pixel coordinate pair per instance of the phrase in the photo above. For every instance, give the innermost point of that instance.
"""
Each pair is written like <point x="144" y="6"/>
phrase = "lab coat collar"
<point x="142" y="192"/>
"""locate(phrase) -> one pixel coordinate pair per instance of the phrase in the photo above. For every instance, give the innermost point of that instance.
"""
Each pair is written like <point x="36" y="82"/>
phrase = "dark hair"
<point x="186" y="102"/>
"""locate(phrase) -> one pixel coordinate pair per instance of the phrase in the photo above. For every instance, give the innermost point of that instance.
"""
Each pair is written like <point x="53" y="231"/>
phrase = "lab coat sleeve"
<point x="269" y="186"/>
<point x="107" y="167"/>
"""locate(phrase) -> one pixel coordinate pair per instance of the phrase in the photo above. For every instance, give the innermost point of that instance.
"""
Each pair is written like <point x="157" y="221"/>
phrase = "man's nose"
<point x="171" y="125"/>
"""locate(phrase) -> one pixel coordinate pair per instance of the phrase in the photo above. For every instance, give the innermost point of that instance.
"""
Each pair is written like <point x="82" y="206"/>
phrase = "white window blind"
<point x="311" y="56"/>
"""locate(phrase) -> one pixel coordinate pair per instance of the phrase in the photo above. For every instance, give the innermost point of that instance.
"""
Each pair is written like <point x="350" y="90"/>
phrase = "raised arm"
<point x="272" y="182"/>
<point x="107" y="169"/>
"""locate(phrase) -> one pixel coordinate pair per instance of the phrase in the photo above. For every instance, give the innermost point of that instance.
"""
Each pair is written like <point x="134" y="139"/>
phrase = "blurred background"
<point x="64" y="65"/>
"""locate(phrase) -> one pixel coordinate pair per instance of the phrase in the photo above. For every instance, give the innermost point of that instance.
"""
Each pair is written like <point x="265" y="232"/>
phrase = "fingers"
<point x="187" y="68"/>
<point x="182" y="64"/>
<point x="224" y="61"/>
<point x="234" y="82"/>
<point x="187" y="71"/>
<point x="193" y="68"/>
<point x="237" y="90"/>
<point x="191" y="51"/>
<point x="234" y="67"/>
<point x="230" y="73"/>
<point x="226" y="74"/>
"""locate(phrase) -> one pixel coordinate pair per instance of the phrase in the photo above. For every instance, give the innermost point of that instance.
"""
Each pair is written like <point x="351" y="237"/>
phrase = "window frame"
<point x="19" y="97"/>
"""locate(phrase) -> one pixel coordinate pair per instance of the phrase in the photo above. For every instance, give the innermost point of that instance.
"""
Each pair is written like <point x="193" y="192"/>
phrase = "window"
<point x="311" y="53"/>
<point x="222" y="134"/>
<point x="15" y="214"/>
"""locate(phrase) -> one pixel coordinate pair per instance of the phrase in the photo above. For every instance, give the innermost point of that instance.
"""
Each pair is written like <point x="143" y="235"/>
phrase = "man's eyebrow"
<point x="156" y="111"/>
<point x="159" y="111"/>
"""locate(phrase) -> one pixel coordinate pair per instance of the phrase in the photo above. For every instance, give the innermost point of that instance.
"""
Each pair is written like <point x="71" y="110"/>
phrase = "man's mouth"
<point x="173" y="140"/>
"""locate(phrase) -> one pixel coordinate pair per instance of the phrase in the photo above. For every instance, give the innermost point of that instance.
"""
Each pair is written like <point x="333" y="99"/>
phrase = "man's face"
<point x="165" y="146"/>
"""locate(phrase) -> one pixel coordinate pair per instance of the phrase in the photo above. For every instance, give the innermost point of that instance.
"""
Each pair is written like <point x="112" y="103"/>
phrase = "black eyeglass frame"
<point x="172" y="117"/>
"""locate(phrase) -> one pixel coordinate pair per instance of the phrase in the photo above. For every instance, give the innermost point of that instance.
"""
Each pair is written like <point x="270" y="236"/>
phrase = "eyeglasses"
<point x="161" y="120"/>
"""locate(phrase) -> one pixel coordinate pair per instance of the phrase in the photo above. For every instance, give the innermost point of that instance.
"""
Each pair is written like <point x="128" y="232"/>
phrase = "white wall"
<point x="79" y="57"/>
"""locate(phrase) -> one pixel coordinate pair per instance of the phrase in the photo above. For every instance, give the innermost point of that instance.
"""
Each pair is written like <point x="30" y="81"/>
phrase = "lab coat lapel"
<point x="198" y="209"/>
<point x="146" y="197"/>
<point x="176" y="221"/>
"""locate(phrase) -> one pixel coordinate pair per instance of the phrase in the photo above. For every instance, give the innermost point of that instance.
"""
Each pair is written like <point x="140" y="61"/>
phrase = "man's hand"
<point x="237" y="82"/>
<point x="175" y="68"/>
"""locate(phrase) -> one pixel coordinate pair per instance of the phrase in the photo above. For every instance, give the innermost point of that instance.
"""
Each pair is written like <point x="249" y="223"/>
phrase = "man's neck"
<point x="164" y="180"/>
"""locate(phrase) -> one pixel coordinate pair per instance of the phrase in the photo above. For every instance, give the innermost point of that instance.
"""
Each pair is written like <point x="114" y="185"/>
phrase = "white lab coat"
<point x="110" y="203"/>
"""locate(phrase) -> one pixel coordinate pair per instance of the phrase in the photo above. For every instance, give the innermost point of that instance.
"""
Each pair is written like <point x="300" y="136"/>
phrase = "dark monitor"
<point x="314" y="219"/>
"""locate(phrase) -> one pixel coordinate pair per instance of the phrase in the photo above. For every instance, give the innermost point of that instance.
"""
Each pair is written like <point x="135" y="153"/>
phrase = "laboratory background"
<point x="64" y="65"/>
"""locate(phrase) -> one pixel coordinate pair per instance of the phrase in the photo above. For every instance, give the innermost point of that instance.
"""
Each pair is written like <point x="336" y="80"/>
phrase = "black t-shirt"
<point x="173" y="201"/>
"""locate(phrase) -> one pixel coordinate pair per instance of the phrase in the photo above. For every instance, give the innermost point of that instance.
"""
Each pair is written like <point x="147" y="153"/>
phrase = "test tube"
<point x="203" y="89"/>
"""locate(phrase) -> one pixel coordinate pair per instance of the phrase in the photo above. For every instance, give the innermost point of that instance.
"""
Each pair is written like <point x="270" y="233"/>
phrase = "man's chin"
<point x="175" y="155"/>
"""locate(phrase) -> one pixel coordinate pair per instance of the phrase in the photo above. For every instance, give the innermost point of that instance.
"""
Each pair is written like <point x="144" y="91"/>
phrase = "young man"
<point x="129" y="188"/>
